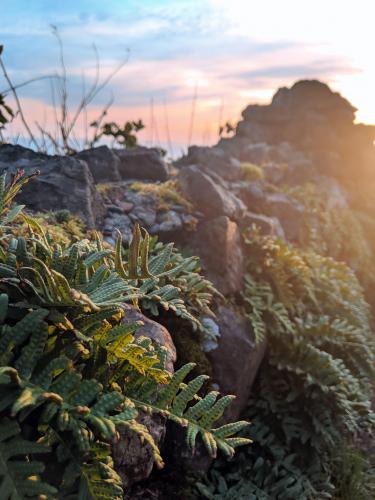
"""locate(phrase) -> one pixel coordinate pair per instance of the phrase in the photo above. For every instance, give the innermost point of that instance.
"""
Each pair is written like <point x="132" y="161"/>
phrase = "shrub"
<point x="71" y="372"/>
<point x="251" y="172"/>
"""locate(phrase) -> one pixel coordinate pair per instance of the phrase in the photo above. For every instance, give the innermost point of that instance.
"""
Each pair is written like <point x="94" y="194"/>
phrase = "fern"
<point x="314" y="389"/>
<point x="19" y="471"/>
<point x="71" y="373"/>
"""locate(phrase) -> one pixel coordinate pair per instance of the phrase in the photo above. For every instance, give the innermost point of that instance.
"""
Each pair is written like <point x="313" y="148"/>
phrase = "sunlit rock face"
<point x="311" y="130"/>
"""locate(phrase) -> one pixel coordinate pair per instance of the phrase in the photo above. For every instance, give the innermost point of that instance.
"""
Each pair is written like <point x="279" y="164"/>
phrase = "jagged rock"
<point x="102" y="162"/>
<point x="209" y="195"/>
<point x="142" y="163"/>
<point x="269" y="226"/>
<point x="236" y="360"/>
<point x="132" y="456"/>
<point x="212" y="160"/>
<point x="314" y="121"/>
<point x="218" y="243"/>
<point x="64" y="183"/>
<point x="288" y="212"/>
<point x="251" y="193"/>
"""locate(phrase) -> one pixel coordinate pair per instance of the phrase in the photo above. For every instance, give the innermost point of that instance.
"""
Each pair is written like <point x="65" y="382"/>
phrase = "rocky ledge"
<point x="211" y="195"/>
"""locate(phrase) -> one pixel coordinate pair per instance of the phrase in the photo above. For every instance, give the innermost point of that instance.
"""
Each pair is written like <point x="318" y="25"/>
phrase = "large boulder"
<point x="218" y="243"/>
<point x="209" y="194"/>
<point x="236" y="360"/>
<point x="102" y="162"/>
<point x="142" y="163"/>
<point x="212" y="160"/>
<point x="64" y="183"/>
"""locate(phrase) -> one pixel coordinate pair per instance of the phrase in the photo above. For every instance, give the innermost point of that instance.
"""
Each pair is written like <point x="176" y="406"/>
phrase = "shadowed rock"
<point x="64" y="183"/>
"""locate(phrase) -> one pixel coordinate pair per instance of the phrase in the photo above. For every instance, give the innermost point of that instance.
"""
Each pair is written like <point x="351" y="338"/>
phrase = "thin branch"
<point x="192" y="114"/>
<point x="27" y="82"/>
<point x="18" y="103"/>
<point x="170" y="147"/>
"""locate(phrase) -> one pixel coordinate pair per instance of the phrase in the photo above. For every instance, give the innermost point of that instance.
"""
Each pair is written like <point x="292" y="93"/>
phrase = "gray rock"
<point x="251" y="193"/>
<point x="236" y="361"/>
<point x="102" y="162"/>
<point x="212" y="160"/>
<point x="288" y="212"/>
<point x="144" y="215"/>
<point x="153" y="330"/>
<point x="170" y="221"/>
<point x="132" y="456"/>
<point x="218" y="243"/>
<point x="269" y="226"/>
<point x="142" y="163"/>
<point x="63" y="183"/>
<point x="208" y="195"/>
<point x="114" y="208"/>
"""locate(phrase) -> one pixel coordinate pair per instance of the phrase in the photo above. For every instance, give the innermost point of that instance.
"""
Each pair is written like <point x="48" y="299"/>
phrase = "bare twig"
<point x="170" y="147"/>
<point x="192" y="114"/>
<point x="18" y="104"/>
<point x="27" y="82"/>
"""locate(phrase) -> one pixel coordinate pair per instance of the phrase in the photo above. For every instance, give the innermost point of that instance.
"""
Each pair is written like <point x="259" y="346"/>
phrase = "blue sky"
<point x="229" y="53"/>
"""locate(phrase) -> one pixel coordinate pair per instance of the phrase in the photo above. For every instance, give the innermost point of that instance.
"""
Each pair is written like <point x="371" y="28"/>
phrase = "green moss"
<point x="166" y="193"/>
<point x="62" y="226"/>
<point x="251" y="172"/>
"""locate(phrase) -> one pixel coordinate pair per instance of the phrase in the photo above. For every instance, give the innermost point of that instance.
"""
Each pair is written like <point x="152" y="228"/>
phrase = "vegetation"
<point x="313" y="393"/>
<point x="325" y="230"/>
<point x="71" y="372"/>
<point x="166" y="193"/>
<point x="123" y="136"/>
<point x="251" y="172"/>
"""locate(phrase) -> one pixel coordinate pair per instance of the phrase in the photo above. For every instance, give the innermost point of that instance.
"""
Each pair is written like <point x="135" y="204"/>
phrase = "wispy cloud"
<point x="232" y="52"/>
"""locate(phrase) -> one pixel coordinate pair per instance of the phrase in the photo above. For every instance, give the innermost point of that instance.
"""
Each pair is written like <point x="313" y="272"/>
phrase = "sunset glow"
<point x="192" y="65"/>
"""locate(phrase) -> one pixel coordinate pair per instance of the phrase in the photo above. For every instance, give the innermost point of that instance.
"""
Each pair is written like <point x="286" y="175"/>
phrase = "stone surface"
<point x="251" y="193"/>
<point x="288" y="212"/>
<point x="268" y="226"/>
<point x="132" y="456"/>
<point x="209" y="194"/>
<point x="102" y="162"/>
<point x="63" y="183"/>
<point x="141" y="163"/>
<point x="218" y="243"/>
<point x="154" y="331"/>
<point x="212" y="160"/>
<point x="236" y="361"/>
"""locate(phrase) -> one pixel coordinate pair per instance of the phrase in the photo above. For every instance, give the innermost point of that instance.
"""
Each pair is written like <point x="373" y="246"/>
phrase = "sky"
<point x="190" y="65"/>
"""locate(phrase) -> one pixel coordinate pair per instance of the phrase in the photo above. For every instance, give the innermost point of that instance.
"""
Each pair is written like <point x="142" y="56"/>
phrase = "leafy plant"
<point x="71" y="372"/>
<point x="325" y="231"/>
<point x="313" y="392"/>
<point x="124" y="136"/>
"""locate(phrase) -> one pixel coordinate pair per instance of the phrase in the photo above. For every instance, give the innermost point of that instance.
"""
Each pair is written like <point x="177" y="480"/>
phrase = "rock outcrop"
<point x="306" y="134"/>
<point x="63" y="183"/>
